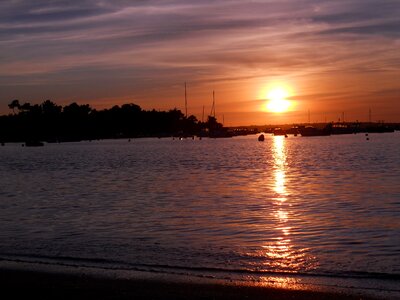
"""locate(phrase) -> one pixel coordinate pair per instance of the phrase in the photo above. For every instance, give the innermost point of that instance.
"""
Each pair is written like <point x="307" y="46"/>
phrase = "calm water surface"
<point x="322" y="205"/>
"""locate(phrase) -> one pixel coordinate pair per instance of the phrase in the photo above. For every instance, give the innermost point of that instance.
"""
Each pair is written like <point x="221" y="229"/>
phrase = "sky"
<point x="332" y="58"/>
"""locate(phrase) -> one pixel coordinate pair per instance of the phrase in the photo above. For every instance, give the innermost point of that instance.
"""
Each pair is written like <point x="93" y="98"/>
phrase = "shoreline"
<point x="46" y="285"/>
<point x="66" y="282"/>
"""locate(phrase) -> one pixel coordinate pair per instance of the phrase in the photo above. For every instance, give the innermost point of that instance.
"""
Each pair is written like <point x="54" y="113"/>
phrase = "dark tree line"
<point x="50" y="122"/>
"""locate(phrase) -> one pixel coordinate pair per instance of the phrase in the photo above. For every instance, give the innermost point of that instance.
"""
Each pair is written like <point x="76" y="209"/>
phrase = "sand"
<point x="25" y="284"/>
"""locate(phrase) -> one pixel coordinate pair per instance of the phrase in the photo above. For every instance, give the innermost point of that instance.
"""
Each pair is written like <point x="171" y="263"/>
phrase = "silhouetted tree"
<point x="14" y="104"/>
<point x="50" y="109"/>
<point x="26" y="107"/>
<point x="51" y="122"/>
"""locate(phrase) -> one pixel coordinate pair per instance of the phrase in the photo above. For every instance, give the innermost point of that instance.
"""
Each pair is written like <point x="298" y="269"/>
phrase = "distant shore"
<point x="49" y="122"/>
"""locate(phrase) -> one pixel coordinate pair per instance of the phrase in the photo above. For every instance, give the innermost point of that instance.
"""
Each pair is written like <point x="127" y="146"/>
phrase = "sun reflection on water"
<point x="281" y="253"/>
<point x="286" y="283"/>
<point x="279" y="168"/>
<point x="279" y="187"/>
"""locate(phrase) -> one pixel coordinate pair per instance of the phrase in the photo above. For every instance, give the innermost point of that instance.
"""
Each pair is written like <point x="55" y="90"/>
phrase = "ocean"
<point x="230" y="208"/>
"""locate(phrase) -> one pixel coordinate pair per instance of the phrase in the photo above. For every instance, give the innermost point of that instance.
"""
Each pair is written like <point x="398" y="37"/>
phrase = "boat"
<point x="293" y="130"/>
<point x="220" y="133"/>
<point x="279" y="131"/>
<point x="344" y="128"/>
<point x="217" y="130"/>
<point x="34" y="144"/>
<point x="379" y="128"/>
<point x="314" y="131"/>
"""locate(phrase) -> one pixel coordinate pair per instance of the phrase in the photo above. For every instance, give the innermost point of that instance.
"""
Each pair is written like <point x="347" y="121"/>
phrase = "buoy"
<point x="261" y="138"/>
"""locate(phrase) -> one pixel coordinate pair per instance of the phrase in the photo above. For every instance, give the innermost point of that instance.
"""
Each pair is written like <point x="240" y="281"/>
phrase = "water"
<point x="322" y="205"/>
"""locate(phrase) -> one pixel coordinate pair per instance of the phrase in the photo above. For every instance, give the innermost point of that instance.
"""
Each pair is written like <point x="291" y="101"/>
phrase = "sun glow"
<point x="277" y="100"/>
<point x="277" y="96"/>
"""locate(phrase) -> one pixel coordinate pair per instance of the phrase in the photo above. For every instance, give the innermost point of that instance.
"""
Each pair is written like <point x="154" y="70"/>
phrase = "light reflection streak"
<point x="286" y="283"/>
<point x="281" y="254"/>
<point x="279" y="168"/>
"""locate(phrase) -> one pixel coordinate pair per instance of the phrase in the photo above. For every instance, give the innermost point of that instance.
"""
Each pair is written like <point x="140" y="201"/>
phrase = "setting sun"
<point x="277" y="101"/>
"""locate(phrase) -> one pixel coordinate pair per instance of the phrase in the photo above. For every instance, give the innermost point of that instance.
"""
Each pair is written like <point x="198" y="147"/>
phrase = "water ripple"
<point x="320" y="205"/>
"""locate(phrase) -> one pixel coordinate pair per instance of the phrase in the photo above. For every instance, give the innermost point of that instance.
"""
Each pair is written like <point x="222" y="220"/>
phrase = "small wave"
<point x="107" y="264"/>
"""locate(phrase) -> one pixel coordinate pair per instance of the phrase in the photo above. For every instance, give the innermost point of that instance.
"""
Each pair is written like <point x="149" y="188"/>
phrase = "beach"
<point x="25" y="284"/>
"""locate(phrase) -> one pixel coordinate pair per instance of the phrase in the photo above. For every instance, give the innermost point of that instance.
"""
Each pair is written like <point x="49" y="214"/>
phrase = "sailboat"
<point x="219" y="131"/>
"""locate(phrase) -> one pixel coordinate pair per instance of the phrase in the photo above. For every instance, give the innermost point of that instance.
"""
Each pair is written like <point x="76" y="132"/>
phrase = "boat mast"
<point x="185" y="101"/>
<point x="213" y="106"/>
<point x="202" y="118"/>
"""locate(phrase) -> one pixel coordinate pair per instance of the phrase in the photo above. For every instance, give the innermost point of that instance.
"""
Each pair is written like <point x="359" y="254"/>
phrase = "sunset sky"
<point x="328" y="56"/>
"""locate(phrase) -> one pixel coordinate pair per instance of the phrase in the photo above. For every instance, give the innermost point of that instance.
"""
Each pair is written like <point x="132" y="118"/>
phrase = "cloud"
<point x="45" y="43"/>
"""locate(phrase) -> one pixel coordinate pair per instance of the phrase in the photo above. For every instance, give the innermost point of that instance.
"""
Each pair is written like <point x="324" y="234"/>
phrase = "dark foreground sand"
<point x="23" y="284"/>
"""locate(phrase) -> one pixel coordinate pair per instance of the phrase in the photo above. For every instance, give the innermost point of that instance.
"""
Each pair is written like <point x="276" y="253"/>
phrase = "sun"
<point x="277" y="101"/>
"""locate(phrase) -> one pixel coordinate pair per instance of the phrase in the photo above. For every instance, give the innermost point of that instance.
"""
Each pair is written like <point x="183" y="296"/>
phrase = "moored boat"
<point x="314" y="131"/>
<point x="279" y="131"/>
<point x="34" y="144"/>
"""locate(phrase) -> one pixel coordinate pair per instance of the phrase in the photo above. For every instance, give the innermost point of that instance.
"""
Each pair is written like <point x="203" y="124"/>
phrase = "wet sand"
<point x="48" y="285"/>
